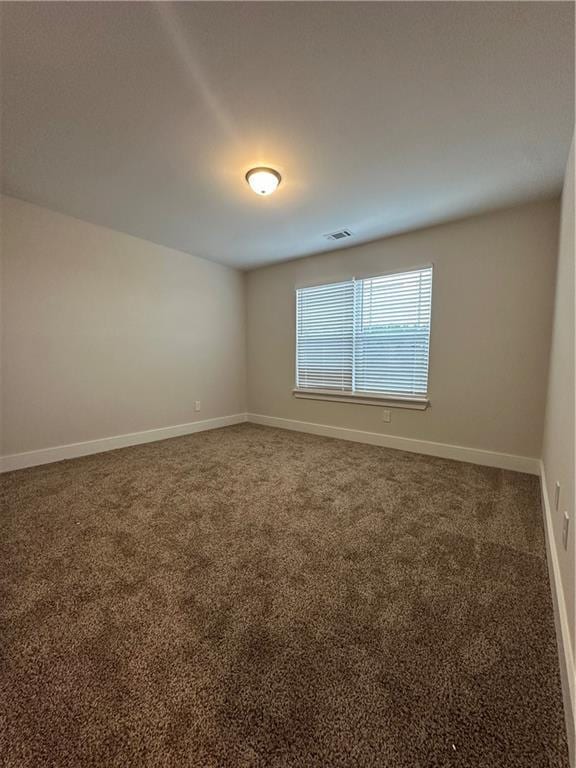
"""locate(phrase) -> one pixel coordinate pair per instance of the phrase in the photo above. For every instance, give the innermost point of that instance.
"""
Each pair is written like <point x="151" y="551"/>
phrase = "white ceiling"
<point x="381" y="117"/>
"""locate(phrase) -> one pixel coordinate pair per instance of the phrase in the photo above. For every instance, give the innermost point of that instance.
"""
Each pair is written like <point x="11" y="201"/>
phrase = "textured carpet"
<point x="251" y="597"/>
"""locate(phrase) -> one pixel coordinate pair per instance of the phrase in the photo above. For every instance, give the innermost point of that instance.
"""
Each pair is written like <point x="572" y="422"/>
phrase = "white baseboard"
<point x="442" y="450"/>
<point x="73" y="450"/>
<point x="565" y="649"/>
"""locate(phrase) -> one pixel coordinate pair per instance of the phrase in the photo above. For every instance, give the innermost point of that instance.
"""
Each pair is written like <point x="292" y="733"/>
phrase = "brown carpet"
<point x="251" y="597"/>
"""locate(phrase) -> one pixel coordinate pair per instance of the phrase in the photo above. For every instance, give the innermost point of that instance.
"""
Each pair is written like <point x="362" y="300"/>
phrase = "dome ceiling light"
<point x="263" y="181"/>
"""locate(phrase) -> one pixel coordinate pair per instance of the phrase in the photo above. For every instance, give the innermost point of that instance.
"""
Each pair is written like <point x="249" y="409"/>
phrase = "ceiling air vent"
<point x="340" y="235"/>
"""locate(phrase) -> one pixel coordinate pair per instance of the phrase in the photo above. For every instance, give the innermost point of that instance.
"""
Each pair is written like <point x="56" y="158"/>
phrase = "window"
<point x="366" y="337"/>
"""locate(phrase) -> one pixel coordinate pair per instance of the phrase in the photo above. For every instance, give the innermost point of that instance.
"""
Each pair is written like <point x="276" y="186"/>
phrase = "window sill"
<point x="389" y="401"/>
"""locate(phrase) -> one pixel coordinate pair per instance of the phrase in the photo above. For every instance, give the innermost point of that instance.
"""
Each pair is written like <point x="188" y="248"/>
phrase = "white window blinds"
<point x="325" y="336"/>
<point x="366" y="336"/>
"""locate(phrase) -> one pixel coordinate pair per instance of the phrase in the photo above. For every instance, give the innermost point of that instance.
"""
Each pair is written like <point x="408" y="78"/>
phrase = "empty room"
<point x="287" y="390"/>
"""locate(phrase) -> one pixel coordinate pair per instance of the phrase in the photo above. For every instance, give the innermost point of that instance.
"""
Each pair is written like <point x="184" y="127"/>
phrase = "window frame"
<point x="411" y="402"/>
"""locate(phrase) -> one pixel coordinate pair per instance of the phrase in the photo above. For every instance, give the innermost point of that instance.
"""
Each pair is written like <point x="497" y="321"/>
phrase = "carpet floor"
<point x="256" y="598"/>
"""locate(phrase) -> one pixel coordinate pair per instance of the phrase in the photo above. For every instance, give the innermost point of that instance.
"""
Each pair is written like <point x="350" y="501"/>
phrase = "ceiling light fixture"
<point x="263" y="181"/>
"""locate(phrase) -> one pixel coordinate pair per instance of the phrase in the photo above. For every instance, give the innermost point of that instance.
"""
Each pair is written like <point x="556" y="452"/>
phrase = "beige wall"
<point x="106" y="334"/>
<point x="559" y="434"/>
<point x="492" y="309"/>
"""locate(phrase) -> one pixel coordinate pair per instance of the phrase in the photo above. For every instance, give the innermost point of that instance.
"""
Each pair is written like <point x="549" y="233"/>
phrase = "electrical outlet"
<point x="197" y="405"/>
<point x="557" y="497"/>
<point x="565" y="527"/>
<point x="386" y="415"/>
